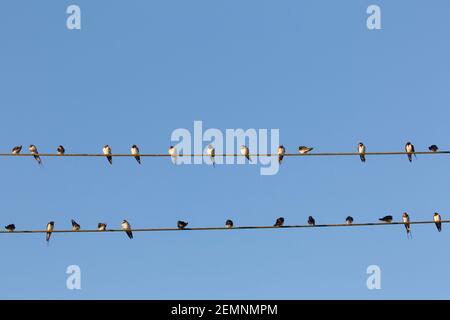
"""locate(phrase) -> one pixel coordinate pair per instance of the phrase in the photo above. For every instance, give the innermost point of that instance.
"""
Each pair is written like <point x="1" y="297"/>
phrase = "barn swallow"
<point x="433" y="148"/>
<point x="33" y="150"/>
<point x="181" y="224"/>
<point x="212" y="154"/>
<point x="10" y="227"/>
<point x="61" y="150"/>
<point x="245" y="152"/>
<point x="311" y="221"/>
<point x="387" y="219"/>
<point x="405" y="218"/>
<point x="173" y="154"/>
<point x="279" y="222"/>
<point x="229" y="224"/>
<point x="281" y="153"/>
<point x="409" y="148"/>
<point x="304" y="149"/>
<point x="101" y="226"/>
<point x="349" y="220"/>
<point x="135" y="152"/>
<point x="106" y="151"/>
<point x="16" y="149"/>
<point x="127" y="228"/>
<point x="362" y="152"/>
<point x="50" y="227"/>
<point x="75" y="226"/>
<point x="437" y="221"/>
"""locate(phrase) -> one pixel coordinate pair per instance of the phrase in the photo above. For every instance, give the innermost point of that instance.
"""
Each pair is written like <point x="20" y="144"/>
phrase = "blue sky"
<point x="137" y="70"/>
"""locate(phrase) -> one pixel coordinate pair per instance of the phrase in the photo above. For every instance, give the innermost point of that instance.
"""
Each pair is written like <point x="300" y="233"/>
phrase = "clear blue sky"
<point x="140" y="69"/>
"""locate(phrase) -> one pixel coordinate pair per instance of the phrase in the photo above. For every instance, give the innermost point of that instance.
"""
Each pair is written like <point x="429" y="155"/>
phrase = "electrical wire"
<point x="369" y="224"/>
<point x="317" y="154"/>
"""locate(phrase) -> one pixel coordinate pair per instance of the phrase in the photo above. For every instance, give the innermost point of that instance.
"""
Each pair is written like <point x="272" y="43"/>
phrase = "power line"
<point x="369" y="224"/>
<point x="323" y="154"/>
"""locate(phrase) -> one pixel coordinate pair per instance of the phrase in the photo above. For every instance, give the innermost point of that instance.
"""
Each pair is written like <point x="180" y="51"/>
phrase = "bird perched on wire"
<point x="212" y="154"/>
<point x="311" y="221"/>
<point x="107" y="152"/>
<point x="16" y="149"/>
<point x="409" y="148"/>
<point x="173" y="154"/>
<point x="61" y="150"/>
<point x="437" y="221"/>
<point x="304" y="149"/>
<point x="349" y="220"/>
<point x="101" y="226"/>
<point x="135" y="152"/>
<point x="229" y="224"/>
<point x="246" y="152"/>
<point x="279" y="222"/>
<point x="387" y="219"/>
<point x="433" y="148"/>
<point x="281" y="152"/>
<point x="33" y="150"/>
<point x="362" y="151"/>
<point x="50" y="227"/>
<point x="10" y="227"/>
<point x="181" y="224"/>
<point x="75" y="226"/>
<point x="405" y="218"/>
<point x="127" y="228"/>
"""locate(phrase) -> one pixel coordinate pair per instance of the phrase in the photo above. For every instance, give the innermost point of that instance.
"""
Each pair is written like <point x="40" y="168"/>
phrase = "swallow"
<point x="279" y="222"/>
<point x="245" y="152"/>
<point x="304" y="150"/>
<point x="311" y="221"/>
<point x="433" y="148"/>
<point x="281" y="152"/>
<point x="212" y="154"/>
<point x="181" y="224"/>
<point x="437" y="221"/>
<point x="135" y="152"/>
<point x="409" y="148"/>
<point x="107" y="151"/>
<point x="387" y="219"/>
<point x="405" y="218"/>
<point x="101" y="226"/>
<point x="33" y="150"/>
<point x="75" y="226"/>
<point x="349" y="220"/>
<point x="50" y="227"/>
<point x="362" y="151"/>
<point x="10" y="227"/>
<point x="61" y="150"/>
<point x="173" y="154"/>
<point x="16" y="149"/>
<point x="127" y="228"/>
<point x="229" y="224"/>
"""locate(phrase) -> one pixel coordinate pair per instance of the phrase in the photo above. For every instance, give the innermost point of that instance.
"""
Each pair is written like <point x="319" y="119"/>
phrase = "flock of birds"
<point x="409" y="149"/>
<point x="211" y="152"/>
<point x="126" y="227"/>
<point x="387" y="219"/>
